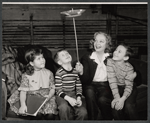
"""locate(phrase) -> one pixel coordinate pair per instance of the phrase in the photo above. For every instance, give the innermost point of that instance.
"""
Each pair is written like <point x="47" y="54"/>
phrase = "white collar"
<point x="95" y="58"/>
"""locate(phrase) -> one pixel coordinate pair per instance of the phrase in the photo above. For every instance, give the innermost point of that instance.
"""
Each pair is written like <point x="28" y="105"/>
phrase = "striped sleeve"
<point x="58" y="85"/>
<point x="112" y="78"/>
<point x="129" y="81"/>
<point x="78" y="87"/>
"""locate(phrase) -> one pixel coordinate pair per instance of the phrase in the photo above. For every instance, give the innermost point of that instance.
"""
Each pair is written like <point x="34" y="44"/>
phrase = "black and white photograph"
<point x="68" y="61"/>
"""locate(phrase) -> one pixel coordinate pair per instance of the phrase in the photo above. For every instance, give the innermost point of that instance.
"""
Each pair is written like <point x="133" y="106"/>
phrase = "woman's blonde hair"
<point x="108" y="41"/>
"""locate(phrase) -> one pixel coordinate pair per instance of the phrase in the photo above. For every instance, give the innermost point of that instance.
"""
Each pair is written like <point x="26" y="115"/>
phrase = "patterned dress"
<point x="40" y="83"/>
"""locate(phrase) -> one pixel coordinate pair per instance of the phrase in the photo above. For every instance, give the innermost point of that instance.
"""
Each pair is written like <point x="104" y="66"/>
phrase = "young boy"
<point x="120" y="76"/>
<point x="68" y="89"/>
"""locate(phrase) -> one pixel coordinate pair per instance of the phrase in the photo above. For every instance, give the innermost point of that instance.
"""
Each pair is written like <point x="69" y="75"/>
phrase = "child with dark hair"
<point x="121" y="80"/>
<point x="68" y="89"/>
<point x="36" y="80"/>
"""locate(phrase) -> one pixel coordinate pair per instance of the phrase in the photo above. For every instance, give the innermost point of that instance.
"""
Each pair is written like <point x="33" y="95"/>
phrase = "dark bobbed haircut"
<point x="30" y="55"/>
<point x="129" y="51"/>
<point x="108" y="42"/>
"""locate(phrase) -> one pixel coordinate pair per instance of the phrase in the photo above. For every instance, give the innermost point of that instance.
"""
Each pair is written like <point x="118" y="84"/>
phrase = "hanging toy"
<point x="74" y="13"/>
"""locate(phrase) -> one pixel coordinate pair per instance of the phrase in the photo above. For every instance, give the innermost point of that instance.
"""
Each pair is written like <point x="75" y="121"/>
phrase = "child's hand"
<point x="22" y="109"/>
<point x="79" y="68"/>
<point x="47" y="96"/>
<point x="120" y="104"/>
<point x="114" y="102"/>
<point x="79" y="101"/>
<point x="71" y="100"/>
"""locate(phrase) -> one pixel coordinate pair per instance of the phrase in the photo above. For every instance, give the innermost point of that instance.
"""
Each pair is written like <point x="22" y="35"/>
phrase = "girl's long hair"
<point x="29" y="57"/>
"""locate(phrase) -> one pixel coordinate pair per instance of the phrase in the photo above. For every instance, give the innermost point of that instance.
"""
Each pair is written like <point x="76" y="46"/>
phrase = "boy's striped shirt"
<point x="120" y="75"/>
<point x="67" y="81"/>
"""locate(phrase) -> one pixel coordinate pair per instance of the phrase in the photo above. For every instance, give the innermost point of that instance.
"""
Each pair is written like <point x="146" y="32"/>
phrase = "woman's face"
<point x="100" y="43"/>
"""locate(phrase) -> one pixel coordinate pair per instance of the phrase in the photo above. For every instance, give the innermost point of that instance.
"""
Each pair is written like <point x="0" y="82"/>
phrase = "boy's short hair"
<point x="56" y="58"/>
<point x="129" y="51"/>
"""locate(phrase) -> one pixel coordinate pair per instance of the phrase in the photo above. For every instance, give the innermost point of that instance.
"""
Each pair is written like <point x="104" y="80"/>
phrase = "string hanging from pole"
<point x="74" y="13"/>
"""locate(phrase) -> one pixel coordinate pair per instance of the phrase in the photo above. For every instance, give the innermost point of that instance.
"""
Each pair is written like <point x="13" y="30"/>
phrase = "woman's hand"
<point x="22" y="109"/>
<point x="79" y="68"/>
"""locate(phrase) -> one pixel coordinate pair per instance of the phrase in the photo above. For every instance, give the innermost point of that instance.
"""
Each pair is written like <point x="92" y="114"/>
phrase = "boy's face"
<point x="100" y="42"/>
<point x="120" y="54"/>
<point x="64" y="57"/>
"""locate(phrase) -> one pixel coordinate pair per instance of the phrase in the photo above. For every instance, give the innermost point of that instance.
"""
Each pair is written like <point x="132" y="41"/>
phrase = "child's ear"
<point x="126" y="58"/>
<point x="59" y="62"/>
<point x="31" y="63"/>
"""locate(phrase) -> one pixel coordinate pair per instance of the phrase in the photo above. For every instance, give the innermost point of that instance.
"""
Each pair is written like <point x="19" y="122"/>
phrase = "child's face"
<point x="39" y="62"/>
<point x="100" y="42"/>
<point x="120" y="53"/>
<point x="64" y="57"/>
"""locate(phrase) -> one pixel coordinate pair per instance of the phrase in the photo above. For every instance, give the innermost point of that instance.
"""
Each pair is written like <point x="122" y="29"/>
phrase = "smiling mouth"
<point x="98" y="47"/>
<point x="115" y="56"/>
